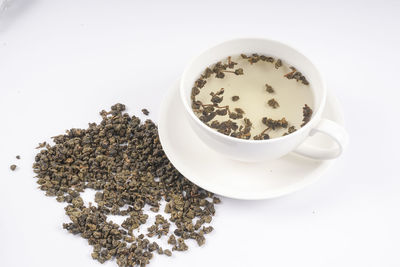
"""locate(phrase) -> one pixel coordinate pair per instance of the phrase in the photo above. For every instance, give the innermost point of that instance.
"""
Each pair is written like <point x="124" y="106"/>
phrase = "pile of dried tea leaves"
<point x="122" y="159"/>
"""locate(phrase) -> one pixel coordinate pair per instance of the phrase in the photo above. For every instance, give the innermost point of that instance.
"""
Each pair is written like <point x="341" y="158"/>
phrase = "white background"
<point x="61" y="62"/>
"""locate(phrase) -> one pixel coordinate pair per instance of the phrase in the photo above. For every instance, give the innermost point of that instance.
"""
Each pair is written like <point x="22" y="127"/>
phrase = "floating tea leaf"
<point x="220" y="75"/>
<point x="239" y="111"/>
<point x="207" y="73"/>
<point x="275" y="124"/>
<point x="200" y="83"/>
<point x="222" y="112"/>
<point x="307" y="113"/>
<point x="239" y="71"/>
<point x="216" y="99"/>
<point x="195" y="91"/>
<point x="235" y="98"/>
<point x="278" y="64"/>
<point x="269" y="88"/>
<point x="273" y="103"/>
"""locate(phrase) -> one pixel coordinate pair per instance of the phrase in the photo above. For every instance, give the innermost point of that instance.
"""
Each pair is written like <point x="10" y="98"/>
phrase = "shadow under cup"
<point x="252" y="150"/>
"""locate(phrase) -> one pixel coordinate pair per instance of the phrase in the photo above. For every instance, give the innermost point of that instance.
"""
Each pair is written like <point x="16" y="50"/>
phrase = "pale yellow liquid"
<point x="250" y="87"/>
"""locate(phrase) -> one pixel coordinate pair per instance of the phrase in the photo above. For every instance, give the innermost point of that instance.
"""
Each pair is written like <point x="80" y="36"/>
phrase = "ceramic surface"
<point x="231" y="178"/>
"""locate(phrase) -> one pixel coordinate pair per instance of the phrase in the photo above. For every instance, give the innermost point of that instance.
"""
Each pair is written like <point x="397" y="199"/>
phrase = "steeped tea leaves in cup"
<point x="235" y="95"/>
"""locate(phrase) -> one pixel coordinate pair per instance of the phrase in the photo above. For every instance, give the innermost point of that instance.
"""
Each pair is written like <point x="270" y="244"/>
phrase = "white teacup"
<point x="260" y="150"/>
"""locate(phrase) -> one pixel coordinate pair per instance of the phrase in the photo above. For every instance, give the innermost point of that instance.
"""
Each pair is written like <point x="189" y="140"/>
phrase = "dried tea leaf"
<point x="41" y="145"/>
<point x="167" y="252"/>
<point x="145" y="112"/>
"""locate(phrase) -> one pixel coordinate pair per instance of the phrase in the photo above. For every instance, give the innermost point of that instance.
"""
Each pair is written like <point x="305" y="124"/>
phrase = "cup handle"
<point x="334" y="131"/>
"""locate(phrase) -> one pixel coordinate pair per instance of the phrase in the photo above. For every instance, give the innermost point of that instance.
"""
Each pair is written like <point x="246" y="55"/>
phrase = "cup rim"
<point x="250" y="141"/>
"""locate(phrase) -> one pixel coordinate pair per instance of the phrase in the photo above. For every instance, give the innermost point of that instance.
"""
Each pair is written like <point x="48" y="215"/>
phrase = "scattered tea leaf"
<point x="41" y="145"/>
<point x="145" y="112"/>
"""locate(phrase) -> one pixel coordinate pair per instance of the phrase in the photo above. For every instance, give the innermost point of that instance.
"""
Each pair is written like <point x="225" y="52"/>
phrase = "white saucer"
<point x="231" y="178"/>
